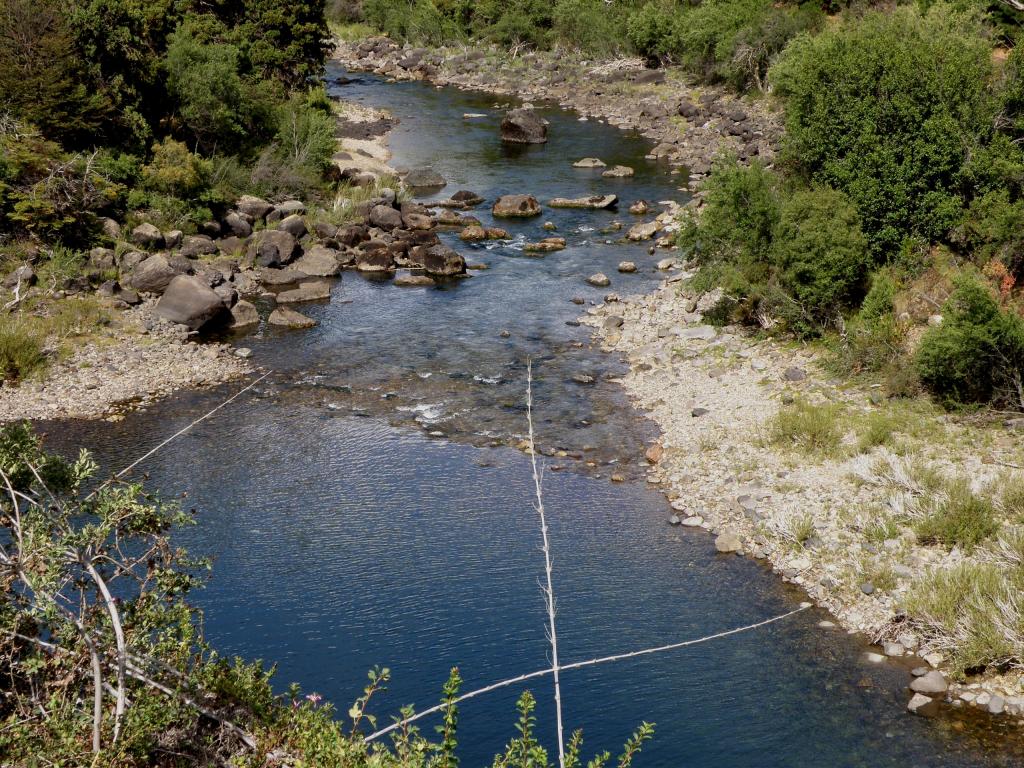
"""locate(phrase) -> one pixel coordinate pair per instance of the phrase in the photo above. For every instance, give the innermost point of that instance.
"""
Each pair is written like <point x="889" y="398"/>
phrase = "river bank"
<point x="838" y="522"/>
<point x="690" y="125"/>
<point x="835" y="525"/>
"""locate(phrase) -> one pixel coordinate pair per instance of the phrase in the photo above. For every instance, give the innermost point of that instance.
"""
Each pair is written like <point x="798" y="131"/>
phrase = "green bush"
<point x="735" y="41"/>
<point x="415" y="20"/>
<point x="176" y="170"/>
<point x="820" y="258"/>
<point x="21" y="350"/>
<point x="590" y="25"/>
<point x="887" y="108"/>
<point x="203" y="79"/>
<point x="977" y="354"/>
<point x="652" y="28"/>
<point x="961" y="518"/>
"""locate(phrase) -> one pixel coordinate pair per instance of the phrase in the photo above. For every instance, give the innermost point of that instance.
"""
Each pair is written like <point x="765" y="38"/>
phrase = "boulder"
<point x="473" y="234"/>
<point x="524" y="126"/>
<point x="466" y="198"/>
<point x="148" y="236"/>
<point x="256" y="207"/>
<point x="23" y="275"/>
<point x="639" y="208"/>
<point x="918" y="702"/>
<point x="289" y="318"/>
<point x="111" y="228"/>
<point x="273" y="248"/>
<point x="933" y="682"/>
<point x="103" y="259"/>
<point x="316" y="290"/>
<point x="627" y="267"/>
<point x="547" y="245"/>
<point x="414" y="281"/>
<point x="271" y="276"/>
<point x="375" y="260"/>
<point x="352" y="235"/>
<point x="424" y="178"/>
<point x="516" y="206"/>
<point x="195" y="246"/>
<point x="286" y="209"/>
<point x="237" y="224"/>
<point x="728" y="542"/>
<point x="417" y="221"/>
<point x="173" y="238"/>
<point x="294" y="225"/>
<point x="497" y="233"/>
<point x="153" y="275"/>
<point x="643" y="231"/>
<point x="385" y="217"/>
<point x="190" y="301"/>
<point x="318" y="261"/>
<point x="589" y="162"/>
<point x="599" y="280"/>
<point x="596" y="202"/>
<point x="618" y="172"/>
<point x="442" y="260"/>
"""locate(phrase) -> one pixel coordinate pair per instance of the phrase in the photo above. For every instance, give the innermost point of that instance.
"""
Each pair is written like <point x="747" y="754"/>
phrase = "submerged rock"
<point x="595" y="202"/>
<point x="599" y="280"/>
<point x="424" y="178"/>
<point x="618" y="172"/>
<point x="289" y="318"/>
<point x="589" y="162"/>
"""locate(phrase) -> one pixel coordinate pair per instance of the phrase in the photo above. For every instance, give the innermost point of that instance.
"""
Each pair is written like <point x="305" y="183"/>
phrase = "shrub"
<point x="652" y="28"/>
<point x="977" y="354"/>
<point x="959" y="518"/>
<point x="21" y="350"/>
<point x="735" y="40"/>
<point x="819" y="256"/>
<point x="960" y="609"/>
<point x="808" y="428"/>
<point x="589" y="25"/>
<point x="175" y="170"/>
<point x="415" y="20"/>
<point x="203" y="79"/>
<point x="886" y="108"/>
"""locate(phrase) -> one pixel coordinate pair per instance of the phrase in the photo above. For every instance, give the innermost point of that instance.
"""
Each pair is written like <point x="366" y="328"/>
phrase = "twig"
<point x="580" y="664"/>
<point x="549" y="591"/>
<point x="177" y="434"/>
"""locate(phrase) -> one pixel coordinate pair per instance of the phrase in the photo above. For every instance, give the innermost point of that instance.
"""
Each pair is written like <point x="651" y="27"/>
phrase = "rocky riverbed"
<point x="690" y="125"/>
<point x="714" y="394"/>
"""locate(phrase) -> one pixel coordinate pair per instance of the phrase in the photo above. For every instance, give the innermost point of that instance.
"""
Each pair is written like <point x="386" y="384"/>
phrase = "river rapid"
<point x="365" y="505"/>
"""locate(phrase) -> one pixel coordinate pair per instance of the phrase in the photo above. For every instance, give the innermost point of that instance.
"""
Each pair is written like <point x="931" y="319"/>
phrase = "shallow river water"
<point x="364" y="507"/>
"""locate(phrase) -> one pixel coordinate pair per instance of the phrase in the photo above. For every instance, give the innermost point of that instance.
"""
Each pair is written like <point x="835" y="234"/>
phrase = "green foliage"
<point x="819" y="258"/>
<point x="175" y="170"/>
<point x="806" y="427"/>
<point x="203" y="78"/>
<point x="21" y="351"/>
<point x="887" y="108"/>
<point x="652" y="28"/>
<point x="416" y="20"/>
<point x="593" y="26"/>
<point x="958" y="517"/>
<point x="977" y="354"/>
<point x="961" y="608"/>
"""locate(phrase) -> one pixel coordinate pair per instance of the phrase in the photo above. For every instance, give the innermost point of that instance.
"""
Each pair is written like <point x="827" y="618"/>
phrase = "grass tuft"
<point x="808" y="428"/>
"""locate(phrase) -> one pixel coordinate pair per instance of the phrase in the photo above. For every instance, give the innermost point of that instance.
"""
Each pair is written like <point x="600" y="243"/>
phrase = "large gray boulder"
<point x="524" y="126"/>
<point x="198" y="245"/>
<point x="424" y="178"/>
<point x="318" y="261"/>
<point x="385" y="217"/>
<point x="153" y="275"/>
<point x="595" y="202"/>
<point x="315" y="290"/>
<point x="294" y="225"/>
<point x="516" y="206"/>
<point x="256" y="207"/>
<point x="147" y="236"/>
<point x="289" y="318"/>
<point x="273" y="248"/>
<point x="442" y="260"/>
<point x="190" y="301"/>
<point x="238" y="223"/>
<point x="244" y="315"/>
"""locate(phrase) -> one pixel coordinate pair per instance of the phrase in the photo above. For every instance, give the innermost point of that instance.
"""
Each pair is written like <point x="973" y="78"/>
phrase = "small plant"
<point x="879" y="428"/>
<point x="1011" y="496"/>
<point x="808" y="428"/>
<point x="21" y="350"/>
<point x="802" y="529"/>
<point x="960" y="517"/>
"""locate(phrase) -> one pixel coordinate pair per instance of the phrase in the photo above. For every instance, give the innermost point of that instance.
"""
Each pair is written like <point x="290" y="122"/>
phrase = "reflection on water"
<point x="342" y="541"/>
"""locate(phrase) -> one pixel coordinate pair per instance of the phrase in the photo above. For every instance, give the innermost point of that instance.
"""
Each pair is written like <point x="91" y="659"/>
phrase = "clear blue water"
<point x="345" y="535"/>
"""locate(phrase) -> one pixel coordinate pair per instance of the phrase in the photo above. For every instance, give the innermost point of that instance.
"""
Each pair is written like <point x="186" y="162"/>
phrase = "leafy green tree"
<point x="820" y="258"/>
<point x="977" y="354"/>
<point x="887" y="108"/>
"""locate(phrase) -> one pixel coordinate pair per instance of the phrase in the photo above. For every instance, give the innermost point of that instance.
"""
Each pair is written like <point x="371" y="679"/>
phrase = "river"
<point x="366" y="504"/>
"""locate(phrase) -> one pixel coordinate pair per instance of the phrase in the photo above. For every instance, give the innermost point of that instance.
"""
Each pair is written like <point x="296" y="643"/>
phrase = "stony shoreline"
<point x="690" y="125"/>
<point x="713" y="392"/>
